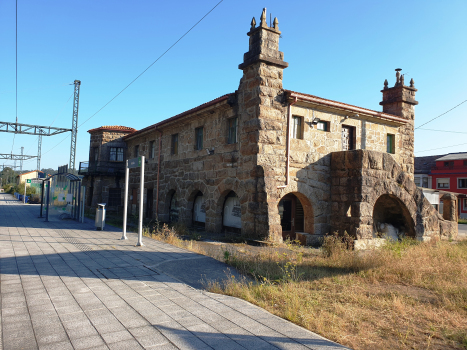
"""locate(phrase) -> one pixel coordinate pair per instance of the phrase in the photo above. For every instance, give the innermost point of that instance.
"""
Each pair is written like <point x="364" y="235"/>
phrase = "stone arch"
<point x="195" y="190"/>
<point x="218" y="200"/>
<point x="392" y="218"/>
<point x="168" y="211"/>
<point x="302" y="213"/>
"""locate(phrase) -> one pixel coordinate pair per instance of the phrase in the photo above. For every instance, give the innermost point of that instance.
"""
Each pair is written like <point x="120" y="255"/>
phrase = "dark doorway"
<point x="149" y="203"/>
<point x="292" y="216"/>
<point x="173" y="208"/>
<point x="390" y="210"/>
<point x="347" y="138"/>
<point x="91" y="193"/>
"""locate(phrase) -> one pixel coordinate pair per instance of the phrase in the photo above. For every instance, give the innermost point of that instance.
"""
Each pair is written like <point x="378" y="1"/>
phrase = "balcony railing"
<point x="453" y="167"/>
<point x="102" y="168"/>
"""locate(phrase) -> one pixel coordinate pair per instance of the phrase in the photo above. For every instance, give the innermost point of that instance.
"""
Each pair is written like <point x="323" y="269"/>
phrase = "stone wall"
<point x="363" y="179"/>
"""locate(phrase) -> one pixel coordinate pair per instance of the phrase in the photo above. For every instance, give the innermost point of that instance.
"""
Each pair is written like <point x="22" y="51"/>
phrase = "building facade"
<point x="271" y="163"/>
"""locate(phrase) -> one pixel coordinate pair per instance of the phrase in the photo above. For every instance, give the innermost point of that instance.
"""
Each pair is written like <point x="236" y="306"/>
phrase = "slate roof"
<point x="423" y="165"/>
<point x="453" y="156"/>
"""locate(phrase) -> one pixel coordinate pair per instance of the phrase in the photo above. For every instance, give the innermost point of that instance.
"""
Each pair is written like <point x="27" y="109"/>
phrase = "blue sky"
<point x="340" y="50"/>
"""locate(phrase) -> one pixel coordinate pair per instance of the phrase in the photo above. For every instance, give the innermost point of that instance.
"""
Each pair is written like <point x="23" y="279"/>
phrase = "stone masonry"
<point x="264" y="145"/>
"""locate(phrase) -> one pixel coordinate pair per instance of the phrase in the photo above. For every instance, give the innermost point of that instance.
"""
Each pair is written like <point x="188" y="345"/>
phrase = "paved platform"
<point x="64" y="285"/>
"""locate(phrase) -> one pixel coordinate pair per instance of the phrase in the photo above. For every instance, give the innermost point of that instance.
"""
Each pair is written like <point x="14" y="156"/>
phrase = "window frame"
<point x="199" y="147"/>
<point x="117" y="154"/>
<point x="136" y="151"/>
<point x="448" y="164"/>
<point x="465" y="203"/>
<point x="419" y="178"/>
<point x="95" y="151"/>
<point x="174" y="144"/>
<point x="232" y="136"/>
<point x="297" y="132"/>
<point x="443" y="178"/>
<point x="390" y="143"/>
<point x="112" y="204"/>
<point x="461" y="178"/>
<point x="325" y="123"/>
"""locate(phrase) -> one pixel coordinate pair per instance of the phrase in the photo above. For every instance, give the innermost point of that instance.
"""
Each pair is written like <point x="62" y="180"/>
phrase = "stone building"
<point x="271" y="163"/>
<point x="104" y="172"/>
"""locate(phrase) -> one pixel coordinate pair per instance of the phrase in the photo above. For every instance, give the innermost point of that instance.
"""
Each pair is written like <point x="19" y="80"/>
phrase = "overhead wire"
<point x="455" y="132"/>
<point x="434" y="149"/>
<point x="418" y="127"/>
<point x="144" y="71"/>
<point x="16" y="82"/>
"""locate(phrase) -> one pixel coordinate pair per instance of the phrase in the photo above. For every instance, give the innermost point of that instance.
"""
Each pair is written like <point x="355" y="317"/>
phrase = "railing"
<point x="106" y="168"/>
<point x="453" y="167"/>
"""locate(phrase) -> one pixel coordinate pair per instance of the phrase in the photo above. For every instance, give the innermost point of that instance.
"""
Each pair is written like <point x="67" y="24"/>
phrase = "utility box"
<point x="100" y="216"/>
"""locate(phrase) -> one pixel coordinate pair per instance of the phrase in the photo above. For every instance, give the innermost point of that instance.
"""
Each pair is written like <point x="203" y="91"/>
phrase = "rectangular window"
<point x="323" y="126"/>
<point x="448" y="164"/>
<point x="174" y="144"/>
<point x="116" y="154"/>
<point x="136" y="151"/>
<point x="461" y="183"/>
<point x="297" y="127"/>
<point x="416" y="179"/>
<point x="465" y="203"/>
<point x="465" y="162"/>
<point x="95" y="151"/>
<point x="199" y="138"/>
<point x="232" y="130"/>
<point x="152" y="149"/>
<point x="425" y="182"/>
<point x="442" y="183"/>
<point x="391" y="147"/>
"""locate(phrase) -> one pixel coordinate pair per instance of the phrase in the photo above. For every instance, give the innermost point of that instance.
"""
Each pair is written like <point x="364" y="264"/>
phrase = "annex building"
<point x="270" y="163"/>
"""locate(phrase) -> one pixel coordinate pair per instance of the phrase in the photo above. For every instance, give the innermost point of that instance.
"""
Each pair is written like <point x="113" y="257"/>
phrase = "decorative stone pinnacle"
<point x="385" y="84"/>
<point x="398" y="77"/>
<point x="253" y="23"/>
<point x="264" y="22"/>
<point x="276" y="24"/>
<point x="402" y="79"/>
<point x="412" y="83"/>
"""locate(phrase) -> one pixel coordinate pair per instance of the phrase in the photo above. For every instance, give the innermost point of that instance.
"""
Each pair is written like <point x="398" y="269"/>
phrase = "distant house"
<point x="35" y="174"/>
<point x="444" y="173"/>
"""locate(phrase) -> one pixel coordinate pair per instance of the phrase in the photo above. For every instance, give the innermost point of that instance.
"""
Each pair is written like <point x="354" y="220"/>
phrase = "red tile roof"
<point x="118" y="128"/>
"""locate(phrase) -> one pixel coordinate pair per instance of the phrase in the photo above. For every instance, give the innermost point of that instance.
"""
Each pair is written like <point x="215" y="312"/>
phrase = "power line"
<point x="153" y="63"/>
<point x="455" y="132"/>
<point x="434" y="149"/>
<point x="418" y="127"/>
<point x="126" y="87"/>
<point x="16" y="83"/>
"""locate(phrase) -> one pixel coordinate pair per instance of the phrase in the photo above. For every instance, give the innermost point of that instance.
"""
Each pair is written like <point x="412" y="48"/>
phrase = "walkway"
<point x="64" y="285"/>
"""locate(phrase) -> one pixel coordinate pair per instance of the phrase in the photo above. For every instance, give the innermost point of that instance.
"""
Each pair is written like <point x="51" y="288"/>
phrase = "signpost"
<point x="24" y="196"/>
<point x="134" y="163"/>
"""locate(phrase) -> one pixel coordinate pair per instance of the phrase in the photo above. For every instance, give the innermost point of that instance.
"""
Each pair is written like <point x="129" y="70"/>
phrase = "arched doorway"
<point x="292" y="216"/>
<point x="392" y="219"/>
<point x="173" y="207"/>
<point x="199" y="210"/>
<point x="232" y="213"/>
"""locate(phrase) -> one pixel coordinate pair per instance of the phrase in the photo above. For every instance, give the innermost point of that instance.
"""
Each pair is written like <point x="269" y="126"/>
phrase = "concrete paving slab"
<point x="66" y="286"/>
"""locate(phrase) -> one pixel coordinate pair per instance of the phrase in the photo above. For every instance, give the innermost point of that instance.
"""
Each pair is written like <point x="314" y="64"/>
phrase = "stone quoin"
<point x="269" y="163"/>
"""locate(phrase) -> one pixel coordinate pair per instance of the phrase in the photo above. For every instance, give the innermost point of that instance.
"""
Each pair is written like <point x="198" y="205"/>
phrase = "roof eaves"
<point x="179" y="116"/>
<point x="345" y="106"/>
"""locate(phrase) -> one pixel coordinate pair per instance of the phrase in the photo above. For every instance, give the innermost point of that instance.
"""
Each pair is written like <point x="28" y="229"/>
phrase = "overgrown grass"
<point x="462" y="221"/>
<point x="407" y="295"/>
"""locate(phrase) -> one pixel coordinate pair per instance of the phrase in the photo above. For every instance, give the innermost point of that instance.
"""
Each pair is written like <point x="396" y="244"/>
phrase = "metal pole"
<point x="42" y="197"/>
<point x="24" y="196"/>
<point x="47" y="207"/>
<point x="141" y="196"/>
<point x="125" y="200"/>
<point x="79" y="201"/>
<point x="84" y="203"/>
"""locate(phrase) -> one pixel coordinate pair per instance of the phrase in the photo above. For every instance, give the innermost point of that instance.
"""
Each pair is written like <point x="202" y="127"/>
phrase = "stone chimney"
<point x="400" y="100"/>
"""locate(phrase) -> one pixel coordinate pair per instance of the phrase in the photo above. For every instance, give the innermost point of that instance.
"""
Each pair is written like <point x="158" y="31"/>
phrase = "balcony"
<point x="451" y="167"/>
<point x="102" y="168"/>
